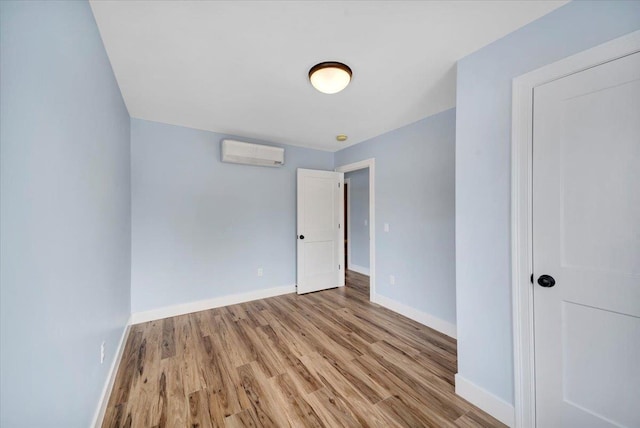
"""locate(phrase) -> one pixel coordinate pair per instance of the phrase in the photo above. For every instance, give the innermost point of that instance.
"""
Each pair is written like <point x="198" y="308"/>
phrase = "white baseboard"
<point x="496" y="407"/>
<point x="203" y="305"/>
<point x="429" y="320"/>
<point x="111" y="378"/>
<point x="360" y="269"/>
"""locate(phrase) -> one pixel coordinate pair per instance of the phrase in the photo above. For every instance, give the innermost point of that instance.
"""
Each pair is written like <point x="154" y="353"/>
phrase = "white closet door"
<point x="586" y="238"/>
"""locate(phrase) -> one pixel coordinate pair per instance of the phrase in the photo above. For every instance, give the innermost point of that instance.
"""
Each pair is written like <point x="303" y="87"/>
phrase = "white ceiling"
<point x="240" y="67"/>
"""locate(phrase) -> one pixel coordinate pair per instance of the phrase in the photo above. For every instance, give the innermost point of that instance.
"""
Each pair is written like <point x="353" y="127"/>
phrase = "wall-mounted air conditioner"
<point x="251" y="154"/>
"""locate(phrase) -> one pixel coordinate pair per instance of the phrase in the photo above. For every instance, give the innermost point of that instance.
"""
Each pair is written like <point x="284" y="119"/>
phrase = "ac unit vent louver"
<point x="251" y="154"/>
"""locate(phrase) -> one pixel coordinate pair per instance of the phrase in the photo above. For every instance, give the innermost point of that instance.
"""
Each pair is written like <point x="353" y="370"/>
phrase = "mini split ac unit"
<point x="251" y="154"/>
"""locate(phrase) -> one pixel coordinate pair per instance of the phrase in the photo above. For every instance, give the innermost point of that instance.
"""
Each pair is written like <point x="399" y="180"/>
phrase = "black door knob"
<point x="301" y="236"/>
<point x="546" y="281"/>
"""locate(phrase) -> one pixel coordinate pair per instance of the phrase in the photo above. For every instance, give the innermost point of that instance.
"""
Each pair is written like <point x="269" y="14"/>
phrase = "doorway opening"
<point x="359" y="220"/>
<point x="356" y="234"/>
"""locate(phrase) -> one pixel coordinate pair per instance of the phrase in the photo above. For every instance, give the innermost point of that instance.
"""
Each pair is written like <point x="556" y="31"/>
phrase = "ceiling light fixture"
<point x="330" y="77"/>
<point x="341" y="137"/>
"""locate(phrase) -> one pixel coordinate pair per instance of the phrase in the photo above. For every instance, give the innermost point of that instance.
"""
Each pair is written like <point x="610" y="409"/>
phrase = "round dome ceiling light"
<point x="341" y="137"/>
<point x="330" y="77"/>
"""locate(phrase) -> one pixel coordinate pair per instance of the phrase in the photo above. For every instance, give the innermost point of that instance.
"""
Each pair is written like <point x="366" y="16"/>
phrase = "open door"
<point x="320" y="233"/>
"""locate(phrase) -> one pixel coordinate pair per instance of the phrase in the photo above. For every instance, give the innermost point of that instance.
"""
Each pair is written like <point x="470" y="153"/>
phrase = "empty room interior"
<point x="319" y="213"/>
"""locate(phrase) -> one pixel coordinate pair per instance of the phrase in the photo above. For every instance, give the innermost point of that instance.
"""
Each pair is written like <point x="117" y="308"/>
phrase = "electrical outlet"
<point x="392" y="279"/>
<point x="260" y="271"/>
<point x="102" y="352"/>
<point x="386" y="227"/>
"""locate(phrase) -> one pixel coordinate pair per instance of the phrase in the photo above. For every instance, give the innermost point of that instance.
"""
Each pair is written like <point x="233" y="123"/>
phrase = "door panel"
<point x="605" y="365"/>
<point x="320" y="211"/>
<point x="598" y="180"/>
<point x="586" y="235"/>
<point x="319" y="258"/>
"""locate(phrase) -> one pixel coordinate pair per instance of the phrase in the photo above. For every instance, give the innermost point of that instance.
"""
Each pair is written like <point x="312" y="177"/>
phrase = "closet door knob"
<point x="546" y="281"/>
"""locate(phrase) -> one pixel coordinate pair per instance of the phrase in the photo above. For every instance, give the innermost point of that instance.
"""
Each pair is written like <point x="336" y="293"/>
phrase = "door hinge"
<point x="339" y="267"/>
<point x="338" y="225"/>
<point x="531" y="279"/>
<point x="338" y="184"/>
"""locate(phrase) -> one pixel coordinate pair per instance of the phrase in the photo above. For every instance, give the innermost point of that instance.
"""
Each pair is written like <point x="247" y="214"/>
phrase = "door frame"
<point x="371" y="164"/>
<point x="521" y="209"/>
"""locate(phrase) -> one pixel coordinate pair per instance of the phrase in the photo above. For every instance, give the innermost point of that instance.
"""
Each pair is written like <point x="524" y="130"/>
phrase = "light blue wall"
<point x="359" y="206"/>
<point x="64" y="215"/>
<point x="483" y="171"/>
<point x="202" y="228"/>
<point x="415" y="195"/>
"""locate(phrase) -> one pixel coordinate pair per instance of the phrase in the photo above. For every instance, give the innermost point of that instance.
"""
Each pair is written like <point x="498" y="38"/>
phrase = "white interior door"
<point x="586" y="236"/>
<point x="320" y="232"/>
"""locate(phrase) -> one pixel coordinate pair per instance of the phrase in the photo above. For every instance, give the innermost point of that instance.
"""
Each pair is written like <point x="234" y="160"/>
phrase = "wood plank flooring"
<point x="325" y="359"/>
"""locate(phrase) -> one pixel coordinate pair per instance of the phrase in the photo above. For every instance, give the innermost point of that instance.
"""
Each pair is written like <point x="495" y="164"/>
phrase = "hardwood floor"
<point x="329" y="358"/>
